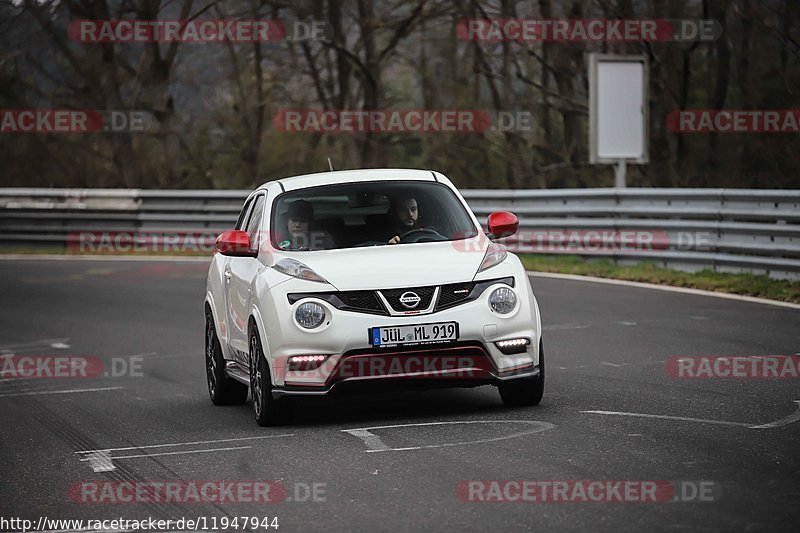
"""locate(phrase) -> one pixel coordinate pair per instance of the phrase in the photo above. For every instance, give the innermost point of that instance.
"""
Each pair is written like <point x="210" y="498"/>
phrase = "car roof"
<point x="350" y="176"/>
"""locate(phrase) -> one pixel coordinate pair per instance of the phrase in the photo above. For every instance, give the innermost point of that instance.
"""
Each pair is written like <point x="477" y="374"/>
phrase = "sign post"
<point x="618" y="112"/>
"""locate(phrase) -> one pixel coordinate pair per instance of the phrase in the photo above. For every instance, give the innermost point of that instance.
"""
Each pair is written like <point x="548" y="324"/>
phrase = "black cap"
<point x="301" y="210"/>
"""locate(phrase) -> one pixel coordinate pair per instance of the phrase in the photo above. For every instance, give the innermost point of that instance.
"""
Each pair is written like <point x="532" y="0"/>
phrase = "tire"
<point x="267" y="410"/>
<point x="526" y="391"/>
<point x="222" y="389"/>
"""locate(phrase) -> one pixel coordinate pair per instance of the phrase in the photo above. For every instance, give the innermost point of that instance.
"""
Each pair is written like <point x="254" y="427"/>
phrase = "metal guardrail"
<point x="721" y="229"/>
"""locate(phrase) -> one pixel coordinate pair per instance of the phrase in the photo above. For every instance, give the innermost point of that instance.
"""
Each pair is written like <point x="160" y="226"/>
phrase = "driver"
<point x="403" y="217"/>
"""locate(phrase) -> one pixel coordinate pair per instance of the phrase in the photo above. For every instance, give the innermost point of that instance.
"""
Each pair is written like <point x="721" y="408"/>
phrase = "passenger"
<point x="300" y="219"/>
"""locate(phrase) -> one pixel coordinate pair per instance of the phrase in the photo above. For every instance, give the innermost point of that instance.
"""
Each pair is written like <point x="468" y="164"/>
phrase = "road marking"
<point x="101" y="460"/>
<point x="32" y="345"/>
<point x="183" y="443"/>
<point x="184" y="452"/>
<point x="785" y="421"/>
<point x="558" y="327"/>
<point x="606" y="363"/>
<point x="375" y="444"/>
<point x="168" y="356"/>
<point x="683" y="290"/>
<point x="668" y="417"/>
<point x="794" y="417"/>
<point x="626" y="323"/>
<point x="67" y="391"/>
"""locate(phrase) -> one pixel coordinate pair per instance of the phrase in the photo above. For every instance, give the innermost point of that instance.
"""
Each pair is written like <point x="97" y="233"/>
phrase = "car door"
<point x="240" y="273"/>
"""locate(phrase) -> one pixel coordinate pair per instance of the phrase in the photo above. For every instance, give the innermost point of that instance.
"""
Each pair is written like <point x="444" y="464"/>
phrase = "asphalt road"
<point x="606" y="350"/>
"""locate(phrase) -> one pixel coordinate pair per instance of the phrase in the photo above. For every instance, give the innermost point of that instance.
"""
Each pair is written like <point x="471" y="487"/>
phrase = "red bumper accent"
<point x="455" y="362"/>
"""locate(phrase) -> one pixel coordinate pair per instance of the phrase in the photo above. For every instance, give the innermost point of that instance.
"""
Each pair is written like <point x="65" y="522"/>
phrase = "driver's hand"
<point x="395" y="239"/>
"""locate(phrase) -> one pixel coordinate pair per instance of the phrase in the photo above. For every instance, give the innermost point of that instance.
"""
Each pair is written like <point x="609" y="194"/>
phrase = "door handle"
<point x="227" y="275"/>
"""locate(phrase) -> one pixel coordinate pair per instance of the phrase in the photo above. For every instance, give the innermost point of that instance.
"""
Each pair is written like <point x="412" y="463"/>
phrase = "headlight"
<point x="495" y="254"/>
<point x="309" y="315"/>
<point x="296" y="269"/>
<point x="503" y="300"/>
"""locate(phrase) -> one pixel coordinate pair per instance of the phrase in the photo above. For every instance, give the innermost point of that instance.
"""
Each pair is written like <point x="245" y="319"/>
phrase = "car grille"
<point x="454" y="294"/>
<point x="365" y="301"/>
<point x="393" y="297"/>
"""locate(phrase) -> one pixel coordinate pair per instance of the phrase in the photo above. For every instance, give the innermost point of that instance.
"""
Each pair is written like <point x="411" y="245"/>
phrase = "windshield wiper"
<point x="369" y="243"/>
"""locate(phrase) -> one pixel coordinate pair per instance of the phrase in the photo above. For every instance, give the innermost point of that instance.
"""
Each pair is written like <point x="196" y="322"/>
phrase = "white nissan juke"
<point x="346" y="280"/>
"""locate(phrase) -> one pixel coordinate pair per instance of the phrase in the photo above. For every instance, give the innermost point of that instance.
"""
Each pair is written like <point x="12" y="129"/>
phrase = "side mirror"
<point x="502" y="224"/>
<point x="234" y="243"/>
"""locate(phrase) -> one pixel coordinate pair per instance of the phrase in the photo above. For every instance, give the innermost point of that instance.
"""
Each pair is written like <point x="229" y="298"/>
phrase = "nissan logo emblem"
<point x="410" y="299"/>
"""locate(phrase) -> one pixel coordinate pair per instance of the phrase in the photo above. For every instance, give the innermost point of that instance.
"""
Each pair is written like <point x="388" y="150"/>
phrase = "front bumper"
<point x="456" y="365"/>
<point x="344" y="339"/>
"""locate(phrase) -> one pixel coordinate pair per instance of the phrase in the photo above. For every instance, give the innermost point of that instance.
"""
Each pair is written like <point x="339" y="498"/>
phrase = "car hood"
<point x="399" y="265"/>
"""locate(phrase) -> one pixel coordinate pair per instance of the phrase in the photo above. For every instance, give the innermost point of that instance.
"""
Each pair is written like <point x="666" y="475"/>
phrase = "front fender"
<point x="215" y="299"/>
<point x="266" y="279"/>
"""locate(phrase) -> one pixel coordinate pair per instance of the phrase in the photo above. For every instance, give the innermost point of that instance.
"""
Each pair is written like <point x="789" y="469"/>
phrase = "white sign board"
<point x="618" y="125"/>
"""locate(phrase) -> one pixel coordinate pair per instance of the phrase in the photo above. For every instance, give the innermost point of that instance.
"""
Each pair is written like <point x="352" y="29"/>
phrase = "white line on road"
<point x="67" y="391"/>
<point x="794" y="417"/>
<point x="558" y="327"/>
<point x="183" y="443"/>
<point x="104" y="462"/>
<point x="32" y="345"/>
<point x="684" y="290"/>
<point x="172" y="453"/>
<point x="668" y="417"/>
<point x="377" y="445"/>
<point x="373" y="442"/>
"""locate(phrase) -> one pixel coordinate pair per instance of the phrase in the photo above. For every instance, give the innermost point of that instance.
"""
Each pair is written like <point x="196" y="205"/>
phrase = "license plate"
<point x="414" y="334"/>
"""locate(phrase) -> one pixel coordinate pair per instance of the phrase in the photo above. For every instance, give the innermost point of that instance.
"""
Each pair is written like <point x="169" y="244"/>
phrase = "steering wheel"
<point x="422" y="235"/>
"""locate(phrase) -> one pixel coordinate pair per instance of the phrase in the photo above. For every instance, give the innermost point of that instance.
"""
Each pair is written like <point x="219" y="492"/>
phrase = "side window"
<point x="254" y="223"/>
<point x="244" y="214"/>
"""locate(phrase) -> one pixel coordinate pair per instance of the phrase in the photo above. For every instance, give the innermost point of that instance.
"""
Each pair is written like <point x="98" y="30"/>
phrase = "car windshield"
<point x="368" y="214"/>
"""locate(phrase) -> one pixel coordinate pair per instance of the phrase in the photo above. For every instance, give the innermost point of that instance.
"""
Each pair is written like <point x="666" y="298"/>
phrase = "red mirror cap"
<point x="503" y="224"/>
<point x="234" y="243"/>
